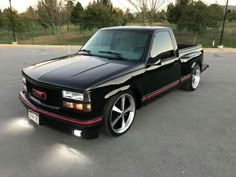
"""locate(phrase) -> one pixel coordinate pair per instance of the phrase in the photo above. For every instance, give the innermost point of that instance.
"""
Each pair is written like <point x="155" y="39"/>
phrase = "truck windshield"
<point x="117" y="44"/>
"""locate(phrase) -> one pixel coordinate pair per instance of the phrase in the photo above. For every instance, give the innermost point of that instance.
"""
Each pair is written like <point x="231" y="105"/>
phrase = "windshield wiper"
<point x="118" y="55"/>
<point x="86" y="51"/>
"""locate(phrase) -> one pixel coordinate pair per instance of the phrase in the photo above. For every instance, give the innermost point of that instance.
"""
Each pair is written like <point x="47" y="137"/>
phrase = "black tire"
<point x="109" y="114"/>
<point x="190" y="84"/>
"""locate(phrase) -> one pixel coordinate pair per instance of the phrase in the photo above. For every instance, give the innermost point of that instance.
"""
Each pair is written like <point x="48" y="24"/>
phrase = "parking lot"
<point x="189" y="134"/>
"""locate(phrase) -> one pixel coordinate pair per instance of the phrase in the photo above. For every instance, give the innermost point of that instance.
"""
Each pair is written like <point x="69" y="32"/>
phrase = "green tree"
<point x="176" y="14"/>
<point x="29" y="17"/>
<point x="77" y="13"/>
<point x="44" y="25"/>
<point x="97" y="15"/>
<point x="69" y="9"/>
<point x="105" y="2"/>
<point x="231" y="15"/>
<point x="0" y="18"/>
<point x="195" y="16"/>
<point x="118" y="17"/>
<point x="161" y="16"/>
<point x="215" y="15"/>
<point x="16" y="18"/>
<point x="102" y="14"/>
<point x="129" y="16"/>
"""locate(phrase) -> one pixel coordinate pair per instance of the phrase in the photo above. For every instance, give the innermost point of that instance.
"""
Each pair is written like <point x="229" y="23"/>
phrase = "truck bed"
<point x="185" y="49"/>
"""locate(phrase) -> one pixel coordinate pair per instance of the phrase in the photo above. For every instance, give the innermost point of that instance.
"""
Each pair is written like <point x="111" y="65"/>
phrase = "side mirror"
<point x="153" y="61"/>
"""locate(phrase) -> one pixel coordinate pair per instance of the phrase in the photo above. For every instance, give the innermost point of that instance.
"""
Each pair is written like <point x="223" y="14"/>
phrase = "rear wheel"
<point x="119" y="113"/>
<point x="193" y="83"/>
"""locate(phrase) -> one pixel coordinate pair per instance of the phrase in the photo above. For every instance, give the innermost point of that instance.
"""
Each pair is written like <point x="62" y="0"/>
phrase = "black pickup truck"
<point x="112" y="75"/>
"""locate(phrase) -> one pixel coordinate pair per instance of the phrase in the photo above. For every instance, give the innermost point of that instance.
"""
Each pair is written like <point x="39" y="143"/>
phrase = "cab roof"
<point x="145" y="28"/>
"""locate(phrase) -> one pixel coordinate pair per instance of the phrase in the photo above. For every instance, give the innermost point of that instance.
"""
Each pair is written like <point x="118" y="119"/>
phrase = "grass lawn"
<point x="76" y="37"/>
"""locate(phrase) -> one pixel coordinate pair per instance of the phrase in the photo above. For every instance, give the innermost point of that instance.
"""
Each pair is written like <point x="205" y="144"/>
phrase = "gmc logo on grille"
<point x="38" y="94"/>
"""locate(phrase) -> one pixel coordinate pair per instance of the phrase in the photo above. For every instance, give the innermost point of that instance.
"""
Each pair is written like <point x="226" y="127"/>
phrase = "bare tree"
<point x="52" y="13"/>
<point x="147" y="8"/>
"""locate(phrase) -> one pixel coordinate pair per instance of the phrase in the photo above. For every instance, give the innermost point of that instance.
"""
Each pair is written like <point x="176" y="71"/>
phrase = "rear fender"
<point x="189" y="61"/>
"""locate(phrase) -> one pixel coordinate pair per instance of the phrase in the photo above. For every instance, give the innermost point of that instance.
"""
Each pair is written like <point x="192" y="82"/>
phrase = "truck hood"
<point x="77" y="72"/>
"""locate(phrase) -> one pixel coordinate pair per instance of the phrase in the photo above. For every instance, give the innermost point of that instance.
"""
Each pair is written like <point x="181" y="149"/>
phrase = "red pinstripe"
<point x="185" y="77"/>
<point x="160" y="90"/>
<point x="166" y="88"/>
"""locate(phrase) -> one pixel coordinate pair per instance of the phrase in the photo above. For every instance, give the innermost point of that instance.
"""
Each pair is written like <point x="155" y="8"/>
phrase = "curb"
<point x="206" y="50"/>
<point x="217" y="50"/>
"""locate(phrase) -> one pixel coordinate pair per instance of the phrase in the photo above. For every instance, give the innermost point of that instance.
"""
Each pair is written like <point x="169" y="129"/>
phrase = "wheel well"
<point x="200" y="61"/>
<point x="138" y="96"/>
<point x="200" y="64"/>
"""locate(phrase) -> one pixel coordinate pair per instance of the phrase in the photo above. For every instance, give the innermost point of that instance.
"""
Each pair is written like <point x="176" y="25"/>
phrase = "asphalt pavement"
<point x="182" y="134"/>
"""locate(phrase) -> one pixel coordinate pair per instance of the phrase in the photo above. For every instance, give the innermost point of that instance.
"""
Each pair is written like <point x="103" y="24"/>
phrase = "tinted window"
<point x="129" y="44"/>
<point x="162" y="46"/>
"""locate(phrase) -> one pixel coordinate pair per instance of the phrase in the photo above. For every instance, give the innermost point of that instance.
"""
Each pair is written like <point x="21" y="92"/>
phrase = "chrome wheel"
<point x="122" y="113"/>
<point x="196" y="77"/>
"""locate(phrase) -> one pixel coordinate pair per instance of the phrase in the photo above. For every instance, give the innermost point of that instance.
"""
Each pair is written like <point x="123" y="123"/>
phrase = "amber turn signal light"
<point x="87" y="107"/>
<point x="68" y="104"/>
<point x="78" y="106"/>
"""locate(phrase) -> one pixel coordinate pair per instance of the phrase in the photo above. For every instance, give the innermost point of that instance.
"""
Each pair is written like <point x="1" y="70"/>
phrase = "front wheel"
<point x="119" y="113"/>
<point x="193" y="83"/>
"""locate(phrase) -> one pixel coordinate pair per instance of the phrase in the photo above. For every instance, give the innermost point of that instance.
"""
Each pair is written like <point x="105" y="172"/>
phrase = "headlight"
<point x="23" y="80"/>
<point x="73" y="95"/>
<point x="24" y="84"/>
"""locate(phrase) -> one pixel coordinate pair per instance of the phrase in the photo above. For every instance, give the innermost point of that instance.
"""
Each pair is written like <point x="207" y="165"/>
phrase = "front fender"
<point x="129" y="81"/>
<point x="114" y="92"/>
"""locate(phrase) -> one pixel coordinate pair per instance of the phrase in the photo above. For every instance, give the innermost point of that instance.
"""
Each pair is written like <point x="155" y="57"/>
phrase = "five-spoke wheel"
<point x="193" y="83"/>
<point x="120" y="113"/>
<point x="196" y="77"/>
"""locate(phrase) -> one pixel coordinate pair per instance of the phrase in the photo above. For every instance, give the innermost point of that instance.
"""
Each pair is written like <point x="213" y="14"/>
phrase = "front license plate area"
<point x="33" y="116"/>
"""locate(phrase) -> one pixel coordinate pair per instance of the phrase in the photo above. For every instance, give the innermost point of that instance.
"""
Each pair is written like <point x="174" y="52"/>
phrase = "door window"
<point x="162" y="46"/>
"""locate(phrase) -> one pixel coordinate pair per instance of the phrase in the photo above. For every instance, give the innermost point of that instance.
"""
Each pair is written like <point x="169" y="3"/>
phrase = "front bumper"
<point x="88" y="128"/>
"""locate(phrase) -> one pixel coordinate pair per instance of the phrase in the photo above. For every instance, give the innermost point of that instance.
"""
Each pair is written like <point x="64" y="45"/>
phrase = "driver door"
<point x="164" y="75"/>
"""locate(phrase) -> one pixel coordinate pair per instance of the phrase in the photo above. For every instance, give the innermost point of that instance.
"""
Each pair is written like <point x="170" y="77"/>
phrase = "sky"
<point x="21" y="5"/>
